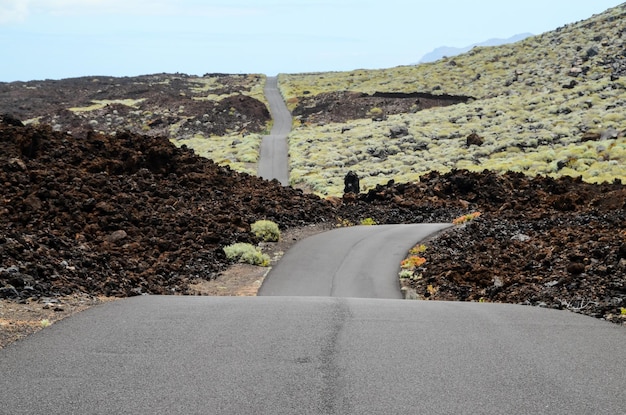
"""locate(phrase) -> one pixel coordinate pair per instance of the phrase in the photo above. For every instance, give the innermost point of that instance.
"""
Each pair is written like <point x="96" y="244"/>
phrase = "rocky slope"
<point x="131" y="214"/>
<point x="169" y="105"/>
<point x="549" y="105"/>
<point x="126" y="214"/>
<point x="543" y="242"/>
<point x="341" y="107"/>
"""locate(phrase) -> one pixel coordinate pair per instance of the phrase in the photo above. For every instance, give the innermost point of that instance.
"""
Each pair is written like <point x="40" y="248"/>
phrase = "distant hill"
<point x="549" y="105"/>
<point x="447" y="51"/>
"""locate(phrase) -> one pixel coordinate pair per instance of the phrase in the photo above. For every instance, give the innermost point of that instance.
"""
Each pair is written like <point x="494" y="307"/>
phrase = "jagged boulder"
<point x="474" y="140"/>
<point x="398" y="131"/>
<point x="10" y="119"/>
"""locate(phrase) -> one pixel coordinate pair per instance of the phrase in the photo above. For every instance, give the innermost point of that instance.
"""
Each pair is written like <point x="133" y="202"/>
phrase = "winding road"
<point x="359" y="262"/>
<point x="328" y="335"/>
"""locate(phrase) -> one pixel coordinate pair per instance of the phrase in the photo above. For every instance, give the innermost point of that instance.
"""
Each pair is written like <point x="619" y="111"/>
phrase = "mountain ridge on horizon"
<point x="449" y="51"/>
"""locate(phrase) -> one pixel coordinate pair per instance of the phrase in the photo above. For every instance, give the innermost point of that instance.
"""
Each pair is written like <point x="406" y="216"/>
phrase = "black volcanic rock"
<point x="120" y="215"/>
<point x="131" y="214"/>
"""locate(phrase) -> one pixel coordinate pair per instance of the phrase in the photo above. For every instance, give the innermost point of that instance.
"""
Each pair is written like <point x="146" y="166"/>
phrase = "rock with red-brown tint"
<point x="591" y="136"/>
<point x="576" y="268"/>
<point x="167" y="105"/>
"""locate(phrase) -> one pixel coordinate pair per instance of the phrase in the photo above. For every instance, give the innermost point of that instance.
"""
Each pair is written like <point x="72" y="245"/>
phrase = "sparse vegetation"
<point x="465" y="218"/>
<point x="266" y="230"/>
<point x="534" y="102"/>
<point x="239" y="152"/>
<point x="368" y="222"/>
<point x="406" y="273"/>
<point x="99" y="104"/>
<point x="246" y="253"/>
<point x="344" y="223"/>
<point x="410" y="267"/>
<point x="413" y="262"/>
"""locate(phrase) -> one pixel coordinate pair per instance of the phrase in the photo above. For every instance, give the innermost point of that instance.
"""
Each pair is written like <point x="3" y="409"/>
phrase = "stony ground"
<point x="168" y="105"/>
<point x="87" y="215"/>
<point x="20" y="317"/>
<point x="541" y="242"/>
<point x="340" y="107"/>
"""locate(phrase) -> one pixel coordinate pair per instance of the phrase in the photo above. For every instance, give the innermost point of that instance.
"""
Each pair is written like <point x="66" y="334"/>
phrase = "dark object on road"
<point x="351" y="182"/>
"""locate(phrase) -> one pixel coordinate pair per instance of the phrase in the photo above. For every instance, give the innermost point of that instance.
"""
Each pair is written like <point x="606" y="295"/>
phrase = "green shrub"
<point x="246" y="253"/>
<point x="405" y="273"/>
<point x="368" y="222"/>
<point x="266" y="230"/>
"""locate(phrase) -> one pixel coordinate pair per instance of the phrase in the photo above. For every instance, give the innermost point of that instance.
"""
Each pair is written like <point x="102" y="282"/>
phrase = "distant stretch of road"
<point x="274" y="153"/>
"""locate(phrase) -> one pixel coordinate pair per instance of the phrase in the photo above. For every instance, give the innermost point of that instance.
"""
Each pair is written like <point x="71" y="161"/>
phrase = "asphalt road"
<point x="359" y="261"/>
<point x="316" y="355"/>
<point x="274" y="152"/>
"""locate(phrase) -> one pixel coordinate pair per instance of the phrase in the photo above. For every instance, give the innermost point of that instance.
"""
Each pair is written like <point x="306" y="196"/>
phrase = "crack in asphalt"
<point x="333" y="397"/>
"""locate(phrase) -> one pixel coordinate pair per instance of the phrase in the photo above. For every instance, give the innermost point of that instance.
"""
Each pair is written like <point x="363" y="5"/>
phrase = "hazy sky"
<point x="53" y="39"/>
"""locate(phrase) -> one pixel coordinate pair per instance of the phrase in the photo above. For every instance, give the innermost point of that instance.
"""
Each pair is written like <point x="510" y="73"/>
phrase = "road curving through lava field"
<point x="319" y="351"/>
<point x="313" y="344"/>
<point x="358" y="262"/>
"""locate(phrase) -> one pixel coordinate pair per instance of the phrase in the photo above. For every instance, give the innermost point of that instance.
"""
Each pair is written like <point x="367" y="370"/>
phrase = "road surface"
<point x="316" y="355"/>
<point x="274" y="152"/>
<point x="359" y="261"/>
